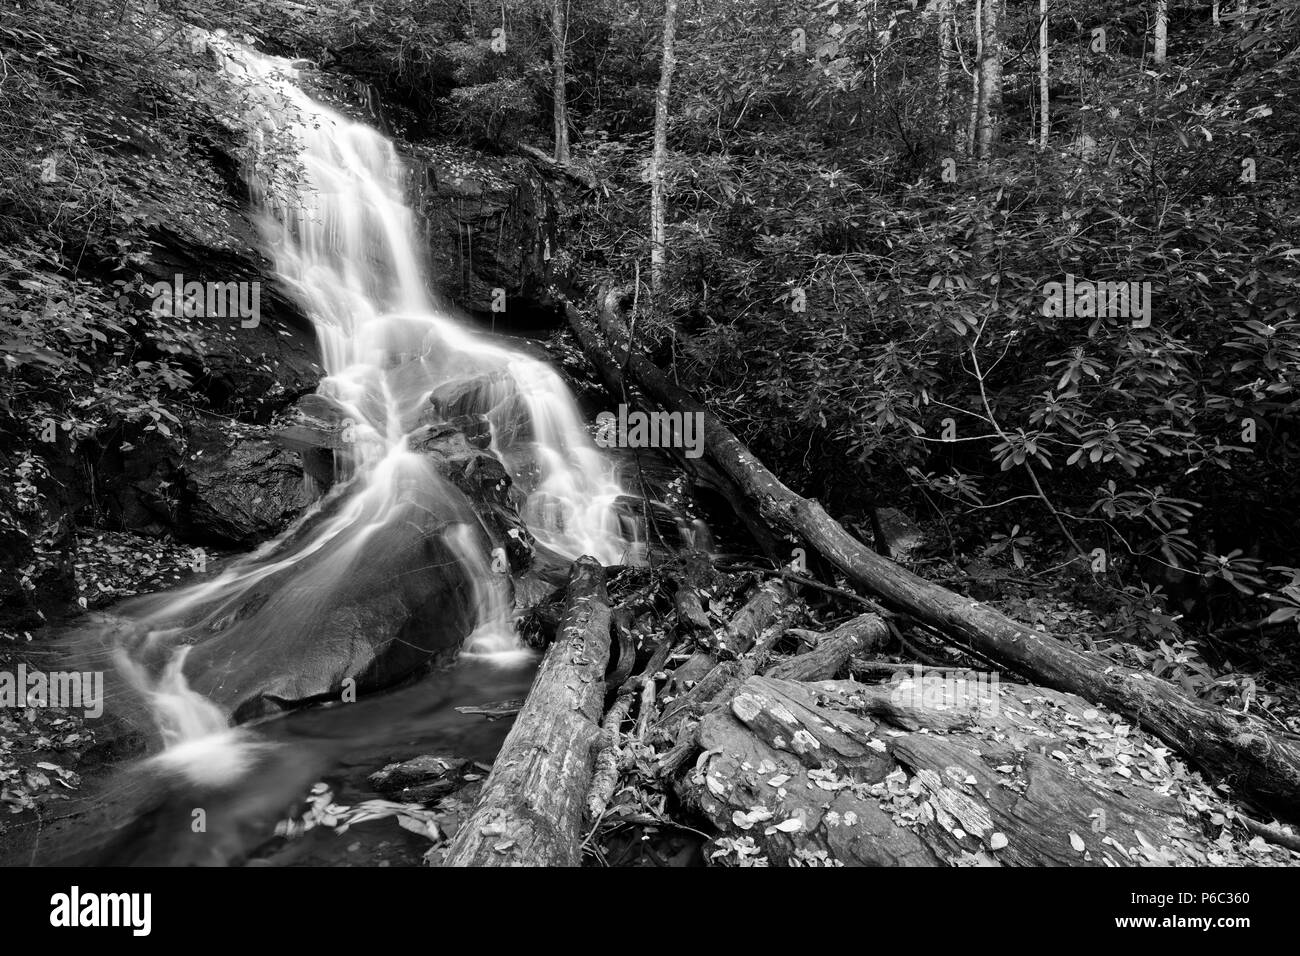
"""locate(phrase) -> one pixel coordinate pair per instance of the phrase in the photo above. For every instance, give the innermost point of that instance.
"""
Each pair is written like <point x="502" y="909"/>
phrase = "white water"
<point x="344" y="241"/>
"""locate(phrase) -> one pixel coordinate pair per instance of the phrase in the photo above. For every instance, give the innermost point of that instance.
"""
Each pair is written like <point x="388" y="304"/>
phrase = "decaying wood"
<point x="606" y="774"/>
<point x="1273" y="834"/>
<point x="624" y="635"/>
<point x="761" y="621"/>
<point x="531" y="809"/>
<point x="577" y="173"/>
<point x="811" y="779"/>
<point x="832" y="651"/>
<point x="1240" y="750"/>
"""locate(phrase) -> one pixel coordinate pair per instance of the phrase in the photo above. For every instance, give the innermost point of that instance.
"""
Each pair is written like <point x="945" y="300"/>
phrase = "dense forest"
<point x="962" y="532"/>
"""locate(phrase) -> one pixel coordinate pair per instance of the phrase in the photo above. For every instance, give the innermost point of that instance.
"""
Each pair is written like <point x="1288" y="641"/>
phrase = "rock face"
<point x="896" y="535"/>
<point x="239" y="490"/>
<point x="458" y="449"/>
<point x="242" y="368"/>
<point x="211" y="482"/>
<point x="489" y="223"/>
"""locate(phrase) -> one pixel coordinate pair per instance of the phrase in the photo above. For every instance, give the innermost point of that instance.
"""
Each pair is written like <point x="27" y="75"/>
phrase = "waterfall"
<point x="343" y="240"/>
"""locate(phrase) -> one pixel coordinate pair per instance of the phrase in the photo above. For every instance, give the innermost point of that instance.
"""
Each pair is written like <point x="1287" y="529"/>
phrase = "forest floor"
<point x="1087" y="743"/>
<point x="651" y="820"/>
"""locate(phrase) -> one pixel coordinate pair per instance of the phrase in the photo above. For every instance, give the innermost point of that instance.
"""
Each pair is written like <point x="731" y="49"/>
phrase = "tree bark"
<point x="990" y="81"/>
<point x="945" y="63"/>
<point x="559" y="41"/>
<point x="531" y="809"/>
<point x="1044" y="78"/>
<point x="976" y="68"/>
<point x="1161" y="32"/>
<point x="834" y="649"/>
<point x="658" y="249"/>
<point x="1242" y="751"/>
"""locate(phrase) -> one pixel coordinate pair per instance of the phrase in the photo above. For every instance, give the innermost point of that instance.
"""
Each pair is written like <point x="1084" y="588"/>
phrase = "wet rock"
<point x="435" y="774"/>
<point x="334" y="623"/>
<point x="458" y="449"/>
<point x="494" y="396"/>
<point x="240" y="488"/>
<point x="489" y="223"/>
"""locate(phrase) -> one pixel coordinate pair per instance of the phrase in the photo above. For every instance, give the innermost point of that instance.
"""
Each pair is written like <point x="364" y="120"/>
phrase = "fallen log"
<point x="1242" y="751"/>
<point x="862" y="633"/>
<point x="531" y="809"/>
<point x="770" y="604"/>
<point x="798" y="774"/>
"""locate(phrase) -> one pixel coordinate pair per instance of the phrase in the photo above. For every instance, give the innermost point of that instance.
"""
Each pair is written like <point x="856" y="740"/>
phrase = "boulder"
<point x="420" y="779"/>
<point x="458" y="449"/>
<point x="240" y="487"/>
<point x="321" y="623"/>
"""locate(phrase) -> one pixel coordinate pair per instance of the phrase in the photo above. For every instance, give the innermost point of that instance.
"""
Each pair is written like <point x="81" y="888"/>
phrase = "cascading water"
<point x="343" y="240"/>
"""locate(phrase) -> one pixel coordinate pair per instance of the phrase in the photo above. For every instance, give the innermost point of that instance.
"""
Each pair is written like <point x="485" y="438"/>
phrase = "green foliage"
<point x="816" y="178"/>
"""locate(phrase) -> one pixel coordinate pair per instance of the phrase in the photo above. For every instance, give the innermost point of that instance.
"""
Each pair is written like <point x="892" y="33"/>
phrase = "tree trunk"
<point x="531" y="809"/>
<point x="1161" y="32"/>
<point x="559" y="41"/>
<point x="1044" y="77"/>
<point x="1240" y="750"/>
<point x="990" y="82"/>
<point x="658" y="250"/>
<point x="976" y="67"/>
<point x="945" y="63"/>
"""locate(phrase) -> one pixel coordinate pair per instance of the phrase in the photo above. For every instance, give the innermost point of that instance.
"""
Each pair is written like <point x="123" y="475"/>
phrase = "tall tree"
<point x="1161" y="31"/>
<point x="1044" y="75"/>
<point x="559" y="42"/>
<point x="988" y="113"/>
<point x="945" y="62"/>
<point x="975" y="82"/>
<point x="658" y="158"/>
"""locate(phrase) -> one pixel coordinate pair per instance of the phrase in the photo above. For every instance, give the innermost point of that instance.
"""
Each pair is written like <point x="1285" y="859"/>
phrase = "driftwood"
<point x="531" y="809"/>
<point x="1240" y="750"/>
<point x="862" y="633"/>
